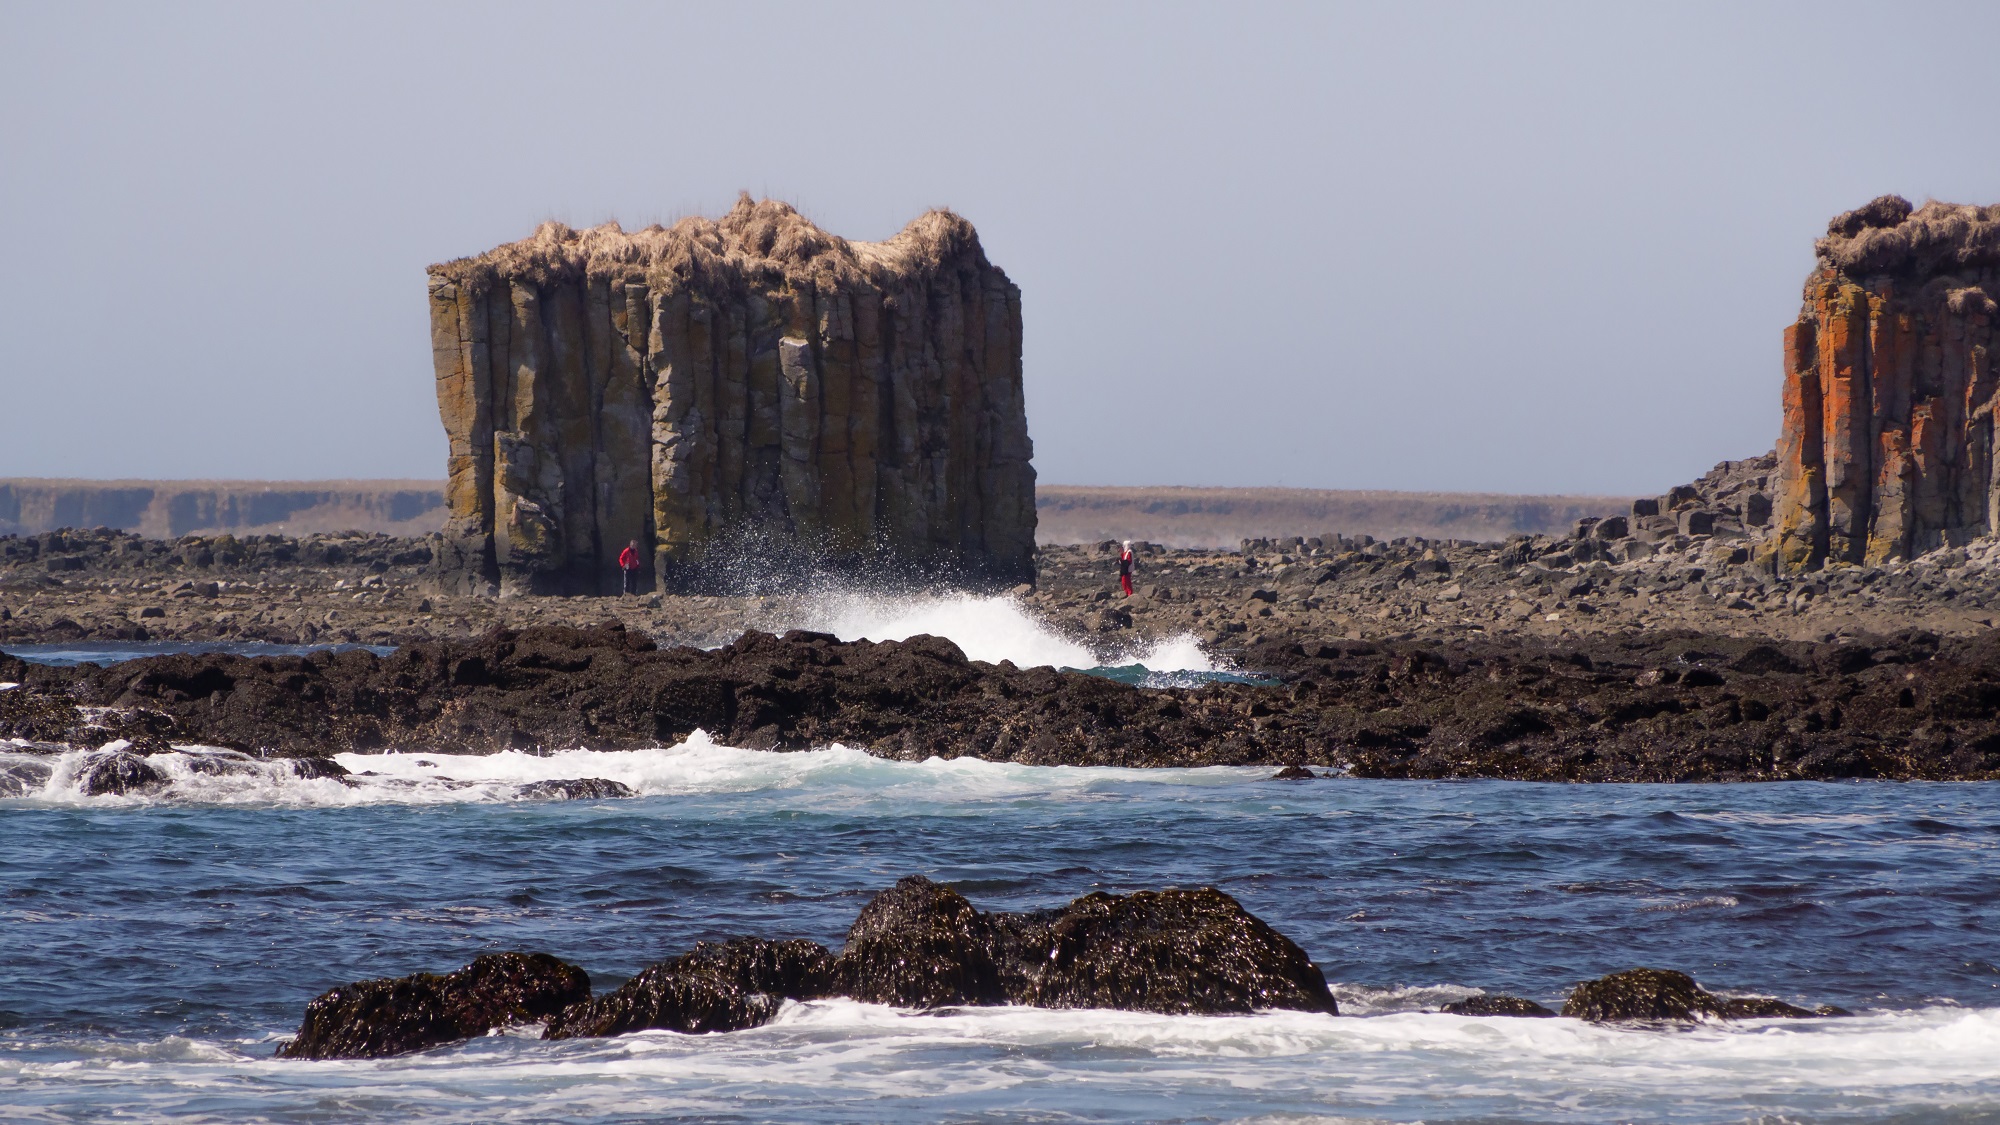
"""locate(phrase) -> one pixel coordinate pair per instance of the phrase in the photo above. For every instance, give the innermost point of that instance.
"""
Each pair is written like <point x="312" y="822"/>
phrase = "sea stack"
<point x="743" y="396"/>
<point x="1887" y="445"/>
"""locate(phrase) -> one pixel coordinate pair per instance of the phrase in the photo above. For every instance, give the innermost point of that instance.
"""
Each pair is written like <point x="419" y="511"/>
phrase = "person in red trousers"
<point x="1125" y="568"/>
<point x="628" y="563"/>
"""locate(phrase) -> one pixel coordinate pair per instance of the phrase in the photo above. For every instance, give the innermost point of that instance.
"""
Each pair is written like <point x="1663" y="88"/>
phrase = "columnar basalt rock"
<point x="1887" y="446"/>
<point x="730" y="390"/>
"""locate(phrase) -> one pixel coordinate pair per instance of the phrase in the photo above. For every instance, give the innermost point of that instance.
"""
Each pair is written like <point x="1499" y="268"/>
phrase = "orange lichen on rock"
<point x="1887" y="447"/>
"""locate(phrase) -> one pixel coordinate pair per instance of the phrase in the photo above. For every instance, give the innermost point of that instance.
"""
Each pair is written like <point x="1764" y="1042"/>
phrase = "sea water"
<point x="155" y="949"/>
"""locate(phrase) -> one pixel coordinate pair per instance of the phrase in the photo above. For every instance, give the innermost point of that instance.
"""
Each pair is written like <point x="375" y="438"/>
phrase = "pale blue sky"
<point x="1426" y="246"/>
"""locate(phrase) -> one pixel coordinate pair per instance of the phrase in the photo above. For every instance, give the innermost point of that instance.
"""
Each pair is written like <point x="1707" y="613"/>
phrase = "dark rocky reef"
<point x="1664" y="995"/>
<point x="916" y="945"/>
<point x="1673" y="707"/>
<point x="376" y="1018"/>
<point x="922" y="945"/>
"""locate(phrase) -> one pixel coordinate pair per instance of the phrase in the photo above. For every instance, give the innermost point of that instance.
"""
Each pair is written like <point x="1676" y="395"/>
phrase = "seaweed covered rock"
<point x="1495" y="1005"/>
<point x="574" y="789"/>
<point x="1641" y="994"/>
<point x="920" y="945"/>
<point x="718" y="987"/>
<point x="117" y="771"/>
<point x="1174" y="951"/>
<point x="1667" y="995"/>
<point x="376" y="1018"/>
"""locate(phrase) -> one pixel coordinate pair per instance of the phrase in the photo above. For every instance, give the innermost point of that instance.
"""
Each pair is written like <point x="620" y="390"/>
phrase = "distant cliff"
<point x="743" y="391"/>
<point x="170" y="509"/>
<point x="1220" y="517"/>
<point x="1887" y="450"/>
<point x="1189" y="517"/>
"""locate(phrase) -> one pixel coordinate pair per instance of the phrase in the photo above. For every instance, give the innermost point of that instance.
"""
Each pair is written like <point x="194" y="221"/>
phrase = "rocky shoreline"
<point x="1663" y="646"/>
<point x="370" y="589"/>
<point x="1663" y="707"/>
<point x="923" y="946"/>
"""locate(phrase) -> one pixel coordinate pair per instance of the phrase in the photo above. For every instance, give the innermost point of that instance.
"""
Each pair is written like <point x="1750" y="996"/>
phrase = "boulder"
<point x="1695" y="521"/>
<point x="1172" y="951"/>
<point x="717" y="987"/>
<point x="1495" y="1005"/>
<point x="377" y="1018"/>
<point x="921" y="945"/>
<point x="1641" y="994"/>
<point x="573" y="789"/>
<point x="1666" y="995"/>
<point x="315" y="768"/>
<point x="117" y="771"/>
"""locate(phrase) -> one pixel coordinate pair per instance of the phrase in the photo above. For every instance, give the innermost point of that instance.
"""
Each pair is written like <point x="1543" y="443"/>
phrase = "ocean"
<point x="156" y="949"/>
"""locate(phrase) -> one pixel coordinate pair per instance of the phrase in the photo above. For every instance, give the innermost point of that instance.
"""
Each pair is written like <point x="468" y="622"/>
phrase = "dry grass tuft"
<point x="1888" y="236"/>
<point x="758" y="244"/>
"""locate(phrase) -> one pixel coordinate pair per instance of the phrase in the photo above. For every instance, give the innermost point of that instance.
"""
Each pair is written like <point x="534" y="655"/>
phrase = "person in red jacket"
<point x="1125" y="568"/>
<point x="628" y="562"/>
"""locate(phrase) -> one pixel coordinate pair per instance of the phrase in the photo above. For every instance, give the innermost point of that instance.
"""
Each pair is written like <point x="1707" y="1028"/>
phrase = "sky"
<point x="1484" y="247"/>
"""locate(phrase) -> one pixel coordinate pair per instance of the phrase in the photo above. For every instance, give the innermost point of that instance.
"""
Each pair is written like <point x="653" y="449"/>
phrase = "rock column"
<point x="1887" y="445"/>
<point x="746" y="398"/>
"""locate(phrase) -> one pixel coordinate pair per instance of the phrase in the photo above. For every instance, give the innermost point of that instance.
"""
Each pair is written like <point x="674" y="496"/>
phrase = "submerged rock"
<point x="375" y="1018"/>
<point x="311" y="769"/>
<point x="1664" y="994"/>
<point x="727" y="987"/>
<point x="118" y="771"/>
<point x="574" y="789"/>
<point x="1495" y="1005"/>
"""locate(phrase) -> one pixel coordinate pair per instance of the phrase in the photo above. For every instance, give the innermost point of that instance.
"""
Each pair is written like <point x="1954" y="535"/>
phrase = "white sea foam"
<point x="993" y="629"/>
<point x="697" y="767"/>
<point x="841" y="1060"/>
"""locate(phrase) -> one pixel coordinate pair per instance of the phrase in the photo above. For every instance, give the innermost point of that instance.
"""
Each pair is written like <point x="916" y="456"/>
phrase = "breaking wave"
<point x="852" y="1061"/>
<point x="697" y="767"/>
<point x="994" y="629"/>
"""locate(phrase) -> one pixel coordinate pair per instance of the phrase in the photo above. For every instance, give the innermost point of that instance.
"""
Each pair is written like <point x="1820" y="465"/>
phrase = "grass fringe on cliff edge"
<point x="759" y="243"/>
<point x="1888" y="236"/>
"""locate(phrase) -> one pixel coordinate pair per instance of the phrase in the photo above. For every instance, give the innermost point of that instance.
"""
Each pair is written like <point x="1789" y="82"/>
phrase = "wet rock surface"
<point x="915" y="945"/>
<point x="1496" y="1005"/>
<point x="1645" y="707"/>
<point x="1664" y="995"/>
<point x="116" y="772"/>
<point x="575" y="789"/>
<point x="377" y="1018"/>
<point x="922" y="945"/>
<point x="725" y="986"/>
<point x="1172" y="951"/>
